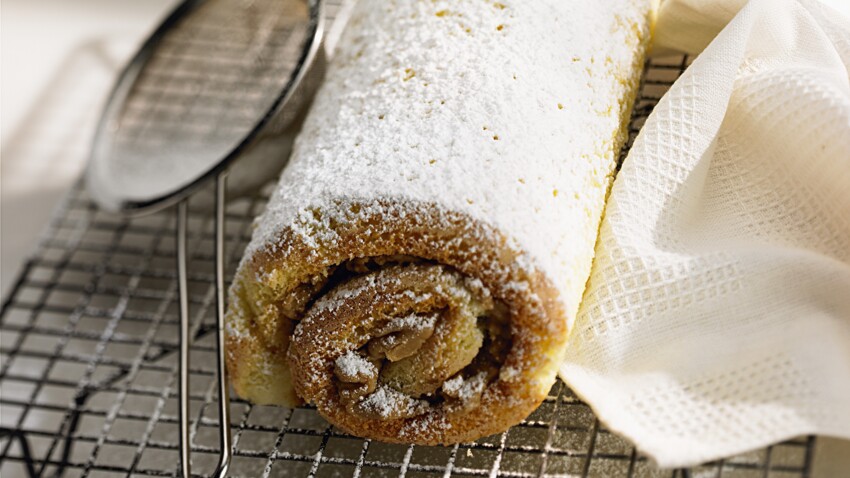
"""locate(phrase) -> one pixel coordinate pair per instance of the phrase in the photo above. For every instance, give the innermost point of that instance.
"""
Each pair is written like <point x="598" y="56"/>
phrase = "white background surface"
<point x="57" y="60"/>
<point x="47" y="45"/>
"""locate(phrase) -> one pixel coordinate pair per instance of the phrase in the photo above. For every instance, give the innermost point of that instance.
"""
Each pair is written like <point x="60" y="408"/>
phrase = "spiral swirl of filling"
<point x="400" y="342"/>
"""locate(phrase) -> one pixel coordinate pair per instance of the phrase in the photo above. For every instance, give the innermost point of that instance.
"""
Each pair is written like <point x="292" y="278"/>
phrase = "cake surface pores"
<point x="418" y="267"/>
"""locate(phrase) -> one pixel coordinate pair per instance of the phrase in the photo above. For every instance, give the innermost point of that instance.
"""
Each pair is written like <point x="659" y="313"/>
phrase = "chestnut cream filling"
<point x="443" y="351"/>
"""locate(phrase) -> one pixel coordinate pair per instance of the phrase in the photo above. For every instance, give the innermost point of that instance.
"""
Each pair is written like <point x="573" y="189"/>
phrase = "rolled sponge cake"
<point x="419" y="265"/>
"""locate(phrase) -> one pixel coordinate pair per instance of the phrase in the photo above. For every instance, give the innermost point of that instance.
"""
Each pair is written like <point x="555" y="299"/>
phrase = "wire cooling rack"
<point x="89" y="346"/>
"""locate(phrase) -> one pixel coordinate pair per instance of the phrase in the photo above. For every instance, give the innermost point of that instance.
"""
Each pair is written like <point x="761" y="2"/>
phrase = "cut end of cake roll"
<point x="424" y="326"/>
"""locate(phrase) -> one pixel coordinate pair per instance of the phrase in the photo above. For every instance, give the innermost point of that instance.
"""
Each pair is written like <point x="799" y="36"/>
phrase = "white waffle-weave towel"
<point x="717" y="316"/>
<point x="690" y="25"/>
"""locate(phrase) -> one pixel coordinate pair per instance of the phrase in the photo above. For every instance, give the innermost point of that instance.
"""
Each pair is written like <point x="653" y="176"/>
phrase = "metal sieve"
<point x="211" y="93"/>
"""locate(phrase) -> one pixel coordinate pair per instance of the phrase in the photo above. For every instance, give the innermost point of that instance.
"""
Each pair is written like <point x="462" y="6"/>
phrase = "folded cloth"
<point x="717" y="316"/>
<point x="689" y="25"/>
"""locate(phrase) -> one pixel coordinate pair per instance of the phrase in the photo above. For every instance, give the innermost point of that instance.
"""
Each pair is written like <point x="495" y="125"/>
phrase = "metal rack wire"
<point x="89" y="346"/>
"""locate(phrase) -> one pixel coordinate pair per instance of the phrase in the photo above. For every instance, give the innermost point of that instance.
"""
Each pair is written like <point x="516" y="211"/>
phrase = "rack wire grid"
<point x="89" y="359"/>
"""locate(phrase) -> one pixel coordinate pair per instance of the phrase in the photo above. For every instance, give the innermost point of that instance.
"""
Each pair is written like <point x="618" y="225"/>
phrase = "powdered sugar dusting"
<point x="389" y="403"/>
<point x="465" y="389"/>
<point x="413" y="322"/>
<point x="353" y="364"/>
<point x="479" y="112"/>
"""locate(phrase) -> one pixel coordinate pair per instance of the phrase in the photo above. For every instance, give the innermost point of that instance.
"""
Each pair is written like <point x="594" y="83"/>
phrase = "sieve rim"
<point x="111" y="199"/>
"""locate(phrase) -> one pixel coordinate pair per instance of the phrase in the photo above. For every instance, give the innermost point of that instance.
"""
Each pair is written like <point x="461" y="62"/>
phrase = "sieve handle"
<point x="225" y="442"/>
